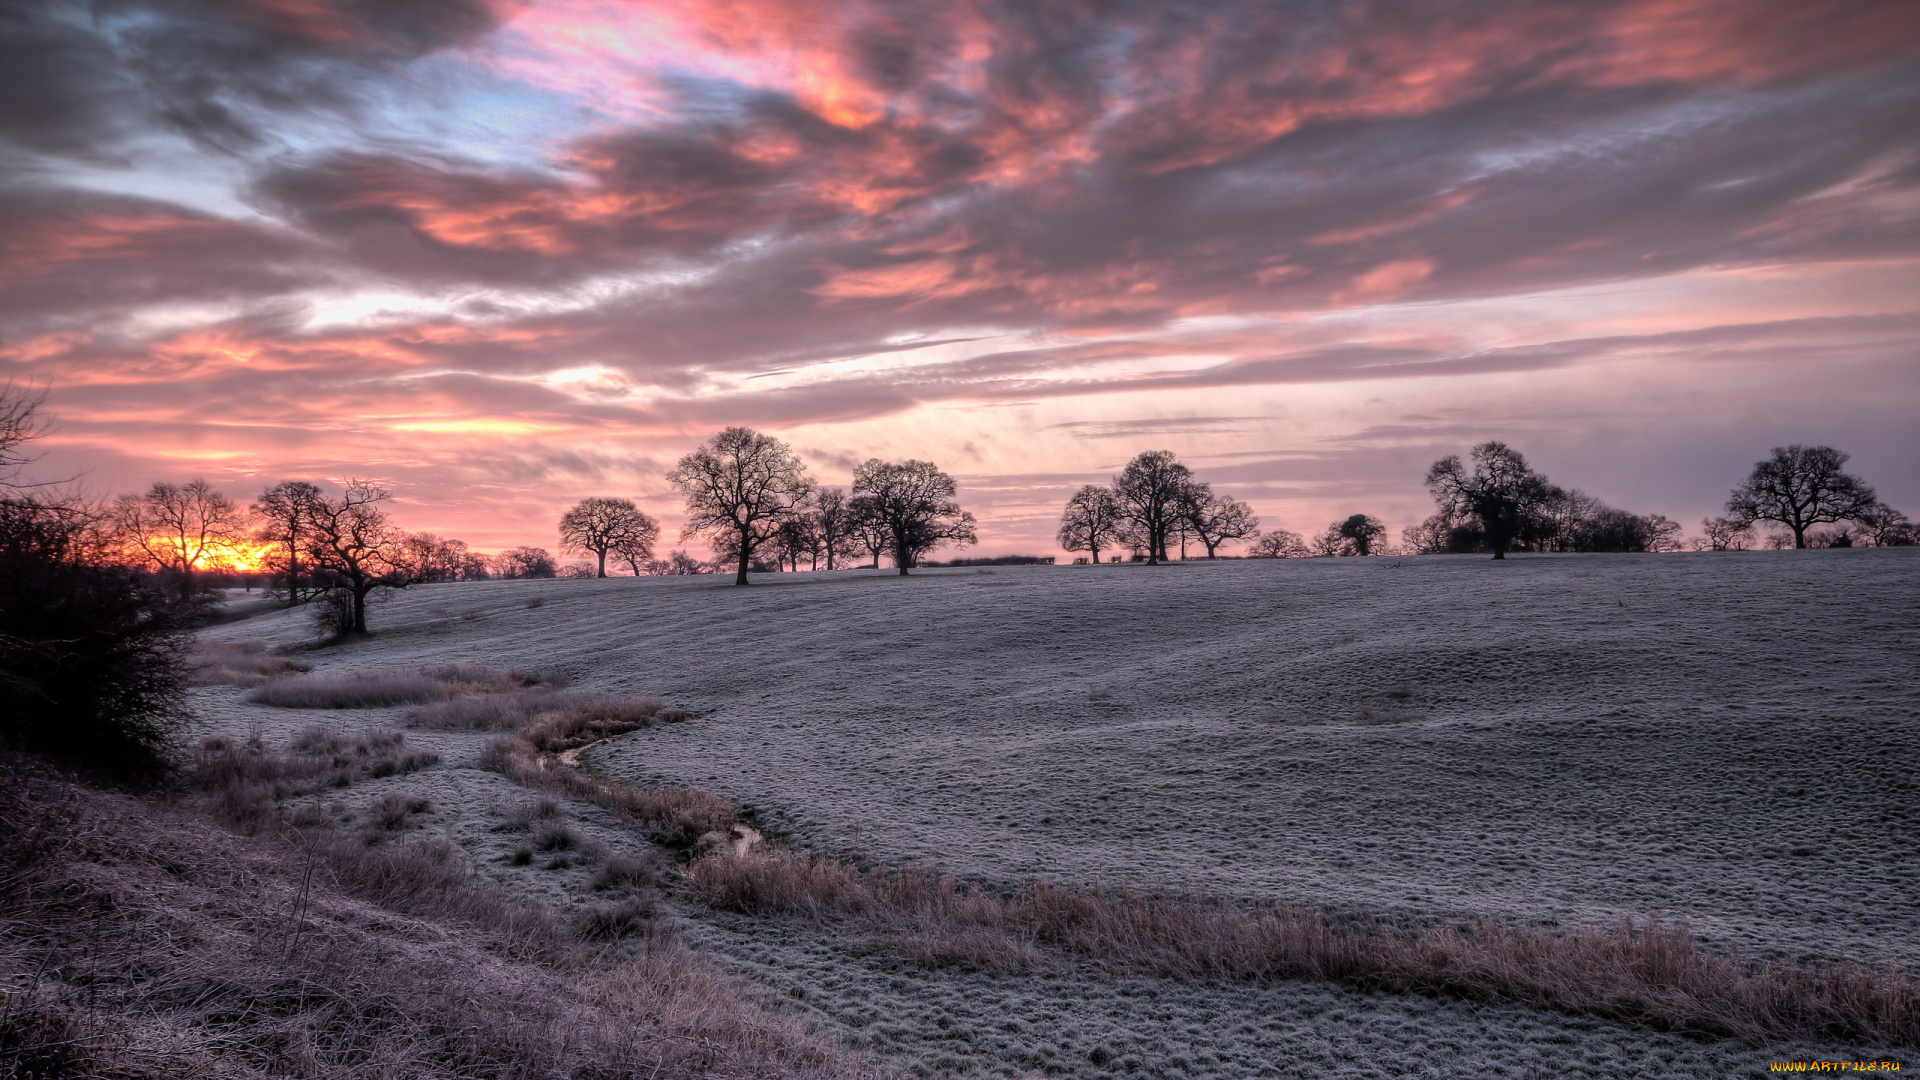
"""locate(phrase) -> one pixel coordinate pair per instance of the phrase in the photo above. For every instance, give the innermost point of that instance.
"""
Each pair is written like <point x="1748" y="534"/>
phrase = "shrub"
<point x="244" y="777"/>
<point x="92" y="659"/>
<point x="394" y="811"/>
<point x="631" y="917"/>
<point x="627" y="872"/>
<point x="557" y="836"/>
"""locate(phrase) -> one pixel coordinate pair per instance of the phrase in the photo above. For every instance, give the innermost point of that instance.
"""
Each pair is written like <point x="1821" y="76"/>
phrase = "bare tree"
<point x="599" y="525"/>
<point x="525" y="562"/>
<point x="1216" y="519"/>
<point x="1726" y="534"/>
<point x="178" y="528"/>
<point x="869" y="527"/>
<point x="430" y="559"/>
<point x="286" y="512"/>
<point x="834" y="516"/>
<point x="798" y="537"/>
<point x="1501" y="491"/>
<point x="1886" y="527"/>
<point x="915" y="501"/>
<point x="636" y="552"/>
<point x="1091" y="521"/>
<point x="1799" y="487"/>
<point x="741" y="485"/>
<point x="20" y="424"/>
<point x="1150" y="490"/>
<point x="1279" y="544"/>
<point x="354" y="550"/>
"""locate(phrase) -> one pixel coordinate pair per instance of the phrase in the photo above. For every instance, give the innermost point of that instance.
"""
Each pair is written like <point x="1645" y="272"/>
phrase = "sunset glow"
<point x="504" y="255"/>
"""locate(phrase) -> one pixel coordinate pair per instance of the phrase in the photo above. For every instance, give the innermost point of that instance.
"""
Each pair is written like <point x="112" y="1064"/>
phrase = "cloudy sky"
<point x="504" y="255"/>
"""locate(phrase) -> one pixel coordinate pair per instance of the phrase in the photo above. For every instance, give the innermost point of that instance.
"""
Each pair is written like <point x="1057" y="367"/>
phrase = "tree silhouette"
<point x="869" y="528"/>
<point x="1216" y="519"/>
<point x="1799" y="487"/>
<point x="286" y="512"/>
<point x="525" y="562"/>
<point x="1279" y="544"/>
<point x="601" y="525"/>
<point x="178" y="528"/>
<point x="354" y="550"/>
<point x="914" y="500"/>
<point x="1362" y="533"/>
<point x="1150" y="490"/>
<point x="1091" y="521"/>
<point x="740" y="484"/>
<point x="834" y="518"/>
<point x="1501" y="491"/>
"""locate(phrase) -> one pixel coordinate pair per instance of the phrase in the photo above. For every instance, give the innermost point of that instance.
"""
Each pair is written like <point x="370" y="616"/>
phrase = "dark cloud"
<point x="71" y="253"/>
<point x="81" y="79"/>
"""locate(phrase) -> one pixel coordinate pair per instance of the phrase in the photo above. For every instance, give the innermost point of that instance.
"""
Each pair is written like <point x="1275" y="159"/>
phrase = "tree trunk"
<point x="360" y="609"/>
<point x="603" y="563"/>
<point x="1799" y="535"/>
<point x="1094" y="550"/>
<point x="740" y="578"/>
<point x="899" y="557"/>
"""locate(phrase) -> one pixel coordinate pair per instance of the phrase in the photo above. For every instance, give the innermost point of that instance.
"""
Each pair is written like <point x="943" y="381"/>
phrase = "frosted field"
<point x="1726" y="739"/>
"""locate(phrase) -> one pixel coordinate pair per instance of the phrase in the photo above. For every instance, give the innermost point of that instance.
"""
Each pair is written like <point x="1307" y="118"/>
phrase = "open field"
<point x="1723" y="739"/>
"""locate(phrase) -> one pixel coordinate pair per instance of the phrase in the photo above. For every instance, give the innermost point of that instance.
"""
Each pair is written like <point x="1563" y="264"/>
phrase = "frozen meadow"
<point x="1721" y="739"/>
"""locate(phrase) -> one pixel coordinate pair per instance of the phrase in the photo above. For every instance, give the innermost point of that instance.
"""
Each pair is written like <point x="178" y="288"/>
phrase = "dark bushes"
<point x="92" y="658"/>
<point x="245" y="777"/>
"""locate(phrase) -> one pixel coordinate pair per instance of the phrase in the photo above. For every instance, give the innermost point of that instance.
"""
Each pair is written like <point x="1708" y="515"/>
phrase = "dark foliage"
<point x="92" y="658"/>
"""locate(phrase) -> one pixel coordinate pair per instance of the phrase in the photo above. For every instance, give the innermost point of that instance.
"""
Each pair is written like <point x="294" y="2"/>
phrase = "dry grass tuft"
<point x="381" y="689"/>
<point x="245" y="777"/>
<point x="226" y="663"/>
<point x="627" y="873"/>
<point x="394" y="812"/>
<point x="634" y="916"/>
<point x="552" y="721"/>
<point x="1650" y="972"/>
<point x="967" y="948"/>
<point x="675" y="816"/>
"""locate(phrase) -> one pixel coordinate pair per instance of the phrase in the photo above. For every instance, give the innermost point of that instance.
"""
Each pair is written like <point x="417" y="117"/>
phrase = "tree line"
<point x="1495" y="504"/>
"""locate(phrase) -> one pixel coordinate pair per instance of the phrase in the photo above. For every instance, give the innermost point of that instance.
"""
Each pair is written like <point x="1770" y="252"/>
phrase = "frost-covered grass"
<point x="1722" y="740"/>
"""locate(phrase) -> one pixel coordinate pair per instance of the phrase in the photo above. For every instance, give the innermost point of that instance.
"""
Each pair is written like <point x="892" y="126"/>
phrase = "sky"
<point x="500" y="256"/>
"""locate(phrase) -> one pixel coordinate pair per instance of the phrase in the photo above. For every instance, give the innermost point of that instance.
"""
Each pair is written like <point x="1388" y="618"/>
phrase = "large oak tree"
<point x="1502" y="491"/>
<point x="740" y="485"/>
<point x="601" y="525"/>
<point x="1800" y="487"/>
<point x="914" y="500"/>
